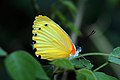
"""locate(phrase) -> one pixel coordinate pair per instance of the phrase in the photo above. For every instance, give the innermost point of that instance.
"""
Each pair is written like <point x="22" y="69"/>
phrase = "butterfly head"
<point x="75" y="51"/>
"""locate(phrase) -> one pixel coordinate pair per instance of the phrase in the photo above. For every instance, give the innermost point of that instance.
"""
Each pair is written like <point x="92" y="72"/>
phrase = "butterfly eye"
<point x="46" y="24"/>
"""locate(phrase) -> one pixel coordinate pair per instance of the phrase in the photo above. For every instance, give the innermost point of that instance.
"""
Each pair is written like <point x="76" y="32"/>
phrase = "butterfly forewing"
<point x="51" y="40"/>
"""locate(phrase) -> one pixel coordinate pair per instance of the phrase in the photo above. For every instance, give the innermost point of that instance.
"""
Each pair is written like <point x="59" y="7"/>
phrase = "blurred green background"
<point x="77" y="17"/>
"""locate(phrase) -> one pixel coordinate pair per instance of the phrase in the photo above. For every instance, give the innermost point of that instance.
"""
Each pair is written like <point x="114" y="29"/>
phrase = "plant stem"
<point x="93" y="54"/>
<point x="35" y="6"/>
<point x="103" y="65"/>
<point x="78" y="19"/>
<point x="97" y="54"/>
<point x="55" y="69"/>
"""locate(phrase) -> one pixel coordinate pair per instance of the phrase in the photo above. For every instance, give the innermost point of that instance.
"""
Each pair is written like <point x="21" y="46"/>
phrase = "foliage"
<point x="21" y="66"/>
<point x="2" y="52"/>
<point x="72" y="10"/>
<point x="103" y="76"/>
<point x="115" y="56"/>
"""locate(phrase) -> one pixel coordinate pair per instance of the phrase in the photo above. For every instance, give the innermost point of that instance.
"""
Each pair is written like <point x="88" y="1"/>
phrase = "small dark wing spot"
<point x="35" y="50"/>
<point x="39" y="56"/>
<point x="46" y="24"/>
<point x="39" y="28"/>
<point x="34" y="42"/>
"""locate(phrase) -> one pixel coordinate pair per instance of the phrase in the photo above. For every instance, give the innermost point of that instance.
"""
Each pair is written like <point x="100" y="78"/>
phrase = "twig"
<point x="78" y="20"/>
<point x="35" y="6"/>
<point x="103" y="65"/>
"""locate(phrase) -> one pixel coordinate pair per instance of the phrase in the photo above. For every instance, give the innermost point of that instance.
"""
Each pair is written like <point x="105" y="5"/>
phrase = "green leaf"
<point x="71" y="7"/>
<point x="67" y="23"/>
<point x="63" y="63"/>
<point x="22" y="66"/>
<point x="73" y="28"/>
<point x="2" y="52"/>
<point x="61" y="16"/>
<point x="82" y="63"/>
<point x="115" y="56"/>
<point x="103" y="76"/>
<point x="85" y="74"/>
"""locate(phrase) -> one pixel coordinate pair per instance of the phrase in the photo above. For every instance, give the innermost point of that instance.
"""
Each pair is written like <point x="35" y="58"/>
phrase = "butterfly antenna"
<point x="92" y="33"/>
<point x="87" y="37"/>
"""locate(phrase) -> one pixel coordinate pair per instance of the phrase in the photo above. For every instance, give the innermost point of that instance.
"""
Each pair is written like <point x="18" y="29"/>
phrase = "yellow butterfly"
<point x="51" y="41"/>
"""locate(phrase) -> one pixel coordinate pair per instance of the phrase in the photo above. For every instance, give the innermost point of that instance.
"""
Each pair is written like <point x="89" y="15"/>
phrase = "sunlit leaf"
<point x="63" y="63"/>
<point x="22" y="66"/>
<point x="2" y="52"/>
<point x="115" y="56"/>
<point x="103" y="76"/>
<point x="85" y="74"/>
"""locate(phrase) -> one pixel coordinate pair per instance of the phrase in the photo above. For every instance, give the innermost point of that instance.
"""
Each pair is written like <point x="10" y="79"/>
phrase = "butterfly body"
<point x="50" y="40"/>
